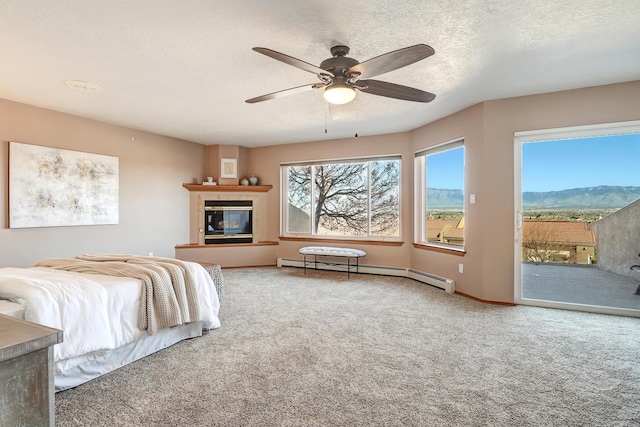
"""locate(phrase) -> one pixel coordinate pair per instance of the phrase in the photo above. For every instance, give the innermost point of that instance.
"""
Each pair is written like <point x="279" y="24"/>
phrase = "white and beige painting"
<point x="51" y="187"/>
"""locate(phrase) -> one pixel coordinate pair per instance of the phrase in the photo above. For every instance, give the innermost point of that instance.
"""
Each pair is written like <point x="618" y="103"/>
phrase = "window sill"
<point x="450" y="251"/>
<point x="360" y="242"/>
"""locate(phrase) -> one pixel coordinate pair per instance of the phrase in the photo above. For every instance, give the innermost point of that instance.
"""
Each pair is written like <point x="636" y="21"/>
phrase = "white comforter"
<point x="96" y="313"/>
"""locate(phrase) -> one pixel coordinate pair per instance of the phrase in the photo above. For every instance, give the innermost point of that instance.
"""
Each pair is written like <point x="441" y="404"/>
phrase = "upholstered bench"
<point x="327" y="251"/>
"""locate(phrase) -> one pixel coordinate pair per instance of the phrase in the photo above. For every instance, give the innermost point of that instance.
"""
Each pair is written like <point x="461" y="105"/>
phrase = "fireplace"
<point x="228" y="221"/>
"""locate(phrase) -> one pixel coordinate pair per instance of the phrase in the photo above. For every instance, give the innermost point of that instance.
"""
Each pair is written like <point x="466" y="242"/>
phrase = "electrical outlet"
<point x="150" y="253"/>
<point x="460" y="268"/>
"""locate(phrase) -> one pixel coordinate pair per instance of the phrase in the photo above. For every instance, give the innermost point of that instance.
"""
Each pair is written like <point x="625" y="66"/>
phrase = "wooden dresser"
<point x="26" y="373"/>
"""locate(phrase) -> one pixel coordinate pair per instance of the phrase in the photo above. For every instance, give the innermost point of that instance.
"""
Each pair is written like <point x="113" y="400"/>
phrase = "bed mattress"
<point x="98" y="315"/>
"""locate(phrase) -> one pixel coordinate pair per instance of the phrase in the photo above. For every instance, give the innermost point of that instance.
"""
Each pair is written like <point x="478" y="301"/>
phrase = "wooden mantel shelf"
<point x="229" y="188"/>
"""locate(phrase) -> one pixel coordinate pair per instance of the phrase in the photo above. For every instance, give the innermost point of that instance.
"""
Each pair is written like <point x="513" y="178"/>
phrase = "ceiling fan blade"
<point x="292" y="61"/>
<point x="286" y="92"/>
<point x="392" y="60"/>
<point x="392" y="90"/>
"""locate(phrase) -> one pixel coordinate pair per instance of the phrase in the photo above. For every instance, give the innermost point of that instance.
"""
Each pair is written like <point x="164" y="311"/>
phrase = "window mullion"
<point x="368" y="198"/>
<point x="312" y="201"/>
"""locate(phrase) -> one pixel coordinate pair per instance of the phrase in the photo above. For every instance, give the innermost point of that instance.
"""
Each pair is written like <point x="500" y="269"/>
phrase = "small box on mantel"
<point x="228" y="181"/>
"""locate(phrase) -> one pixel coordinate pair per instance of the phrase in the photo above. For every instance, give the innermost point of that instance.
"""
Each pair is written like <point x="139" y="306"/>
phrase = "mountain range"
<point x="600" y="197"/>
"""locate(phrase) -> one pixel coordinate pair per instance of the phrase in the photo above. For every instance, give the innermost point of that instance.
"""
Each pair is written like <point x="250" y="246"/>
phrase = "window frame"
<point x="420" y="192"/>
<point x="284" y="211"/>
<point x="556" y="134"/>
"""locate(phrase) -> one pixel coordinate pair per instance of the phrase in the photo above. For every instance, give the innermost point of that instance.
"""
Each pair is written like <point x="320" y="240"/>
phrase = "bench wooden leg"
<point x="315" y="263"/>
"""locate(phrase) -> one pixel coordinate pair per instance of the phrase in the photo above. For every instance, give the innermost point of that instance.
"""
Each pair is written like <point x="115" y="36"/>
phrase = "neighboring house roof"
<point x="570" y="233"/>
<point x="453" y="233"/>
<point x="557" y="224"/>
<point x="565" y="233"/>
<point x="435" y="226"/>
<point x="579" y="238"/>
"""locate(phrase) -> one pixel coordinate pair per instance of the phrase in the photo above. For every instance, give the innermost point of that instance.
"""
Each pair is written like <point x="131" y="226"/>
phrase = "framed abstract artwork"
<point x="228" y="168"/>
<point x="50" y="187"/>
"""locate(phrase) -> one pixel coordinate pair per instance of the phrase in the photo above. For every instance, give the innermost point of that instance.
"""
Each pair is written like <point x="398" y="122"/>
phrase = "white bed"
<point x="99" y="317"/>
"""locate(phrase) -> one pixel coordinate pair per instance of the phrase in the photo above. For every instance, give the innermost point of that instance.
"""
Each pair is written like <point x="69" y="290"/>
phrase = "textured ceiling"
<point x="184" y="68"/>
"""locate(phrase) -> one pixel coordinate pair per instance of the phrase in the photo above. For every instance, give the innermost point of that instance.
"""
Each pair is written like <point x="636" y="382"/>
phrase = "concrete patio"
<point x="579" y="284"/>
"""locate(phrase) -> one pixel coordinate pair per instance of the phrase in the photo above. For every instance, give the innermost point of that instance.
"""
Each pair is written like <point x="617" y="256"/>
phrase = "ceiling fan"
<point x="341" y="76"/>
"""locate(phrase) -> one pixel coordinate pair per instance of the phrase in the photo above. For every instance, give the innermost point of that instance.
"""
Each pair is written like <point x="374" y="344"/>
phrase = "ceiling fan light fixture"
<point x="339" y="93"/>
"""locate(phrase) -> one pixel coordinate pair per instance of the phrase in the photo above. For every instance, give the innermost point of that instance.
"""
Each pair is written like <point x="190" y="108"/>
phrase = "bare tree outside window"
<point x="539" y="244"/>
<point x="385" y="200"/>
<point x="349" y="199"/>
<point x="341" y="199"/>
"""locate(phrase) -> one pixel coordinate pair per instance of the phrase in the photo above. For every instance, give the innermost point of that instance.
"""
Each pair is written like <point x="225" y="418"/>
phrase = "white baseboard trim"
<point x="447" y="285"/>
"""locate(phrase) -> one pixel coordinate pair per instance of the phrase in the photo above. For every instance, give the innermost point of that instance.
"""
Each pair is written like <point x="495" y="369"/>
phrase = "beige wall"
<point x="153" y="168"/>
<point x="467" y="124"/>
<point x="488" y="129"/>
<point x="217" y="152"/>
<point x="618" y="241"/>
<point x="154" y="207"/>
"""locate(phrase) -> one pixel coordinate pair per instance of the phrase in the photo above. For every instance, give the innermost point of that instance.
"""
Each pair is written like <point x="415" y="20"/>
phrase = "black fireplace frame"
<point x="228" y="221"/>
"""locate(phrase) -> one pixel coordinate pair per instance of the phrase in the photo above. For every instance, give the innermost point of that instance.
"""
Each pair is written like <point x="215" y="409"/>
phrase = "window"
<point x="357" y="198"/>
<point x="440" y="195"/>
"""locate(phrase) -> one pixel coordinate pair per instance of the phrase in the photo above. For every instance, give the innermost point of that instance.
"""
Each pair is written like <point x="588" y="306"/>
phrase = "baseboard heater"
<point x="430" y="279"/>
<point x="449" y="285"/>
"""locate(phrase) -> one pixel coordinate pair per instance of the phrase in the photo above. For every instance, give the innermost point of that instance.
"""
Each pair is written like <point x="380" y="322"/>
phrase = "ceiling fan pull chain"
<point x="325" y="120"/>
<point x="356" y="108"/>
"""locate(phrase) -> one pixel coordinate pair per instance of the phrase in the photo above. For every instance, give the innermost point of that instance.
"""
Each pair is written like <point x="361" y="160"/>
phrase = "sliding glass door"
<point x="577" y="228"/>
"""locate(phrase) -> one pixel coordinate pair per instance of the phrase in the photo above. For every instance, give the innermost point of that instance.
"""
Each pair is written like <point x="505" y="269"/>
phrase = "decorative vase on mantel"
<point x="244" y="181"/>
<point x="253" y="180"/>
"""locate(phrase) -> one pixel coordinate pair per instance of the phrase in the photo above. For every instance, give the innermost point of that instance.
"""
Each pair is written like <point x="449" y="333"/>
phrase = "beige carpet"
<point x="321" y="350"/>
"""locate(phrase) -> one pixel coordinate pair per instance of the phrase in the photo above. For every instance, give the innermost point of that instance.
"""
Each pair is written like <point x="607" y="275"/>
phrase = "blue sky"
<point x="445" y="170"/>
<point x="556" y="165"/>
<point x="584" y="162"/>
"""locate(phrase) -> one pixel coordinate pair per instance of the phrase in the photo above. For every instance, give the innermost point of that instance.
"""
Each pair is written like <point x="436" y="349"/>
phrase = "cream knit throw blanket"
<point x="169" y="296"/>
